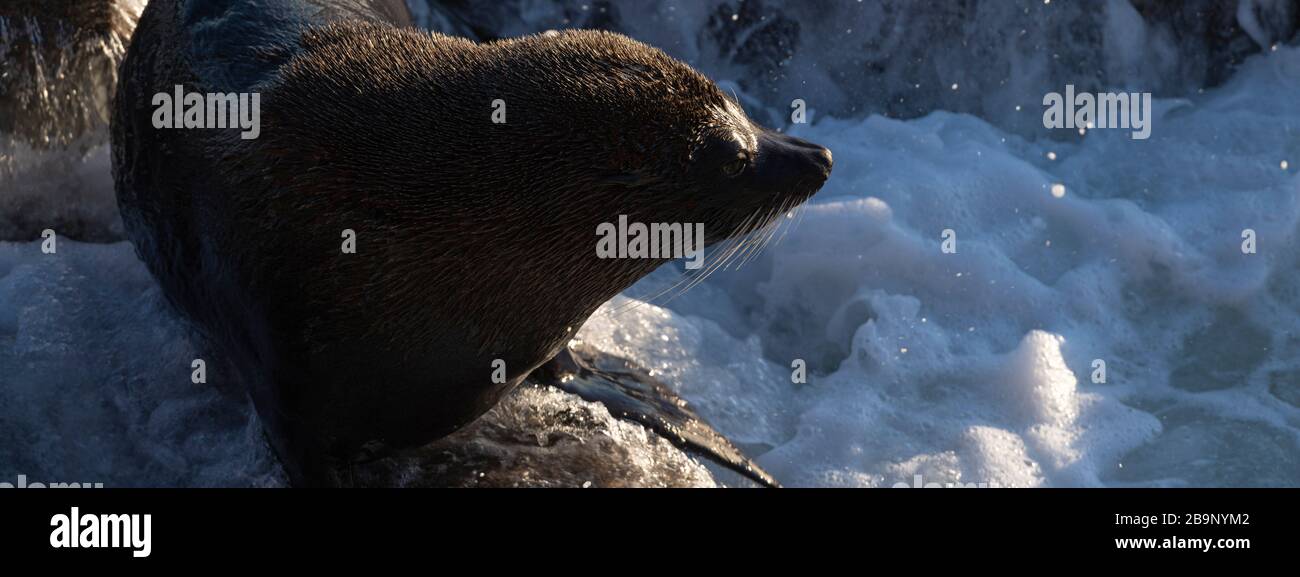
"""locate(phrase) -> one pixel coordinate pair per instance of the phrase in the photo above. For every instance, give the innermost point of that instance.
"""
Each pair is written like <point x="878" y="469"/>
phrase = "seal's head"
<point x="663" y="137"/>
<point x="650" y="135"/>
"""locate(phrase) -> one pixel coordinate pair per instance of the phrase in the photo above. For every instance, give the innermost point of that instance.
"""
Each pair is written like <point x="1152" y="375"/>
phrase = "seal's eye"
<point x="734" y="167"/>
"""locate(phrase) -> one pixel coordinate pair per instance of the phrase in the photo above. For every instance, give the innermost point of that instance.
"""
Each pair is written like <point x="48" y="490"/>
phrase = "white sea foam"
<point x="977" y="366"/>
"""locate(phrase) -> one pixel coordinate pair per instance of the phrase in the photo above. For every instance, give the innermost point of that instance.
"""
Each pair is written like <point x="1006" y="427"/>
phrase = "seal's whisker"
<point x="763" y="238"/>
<point x="743" y="240"/>
<point x="685" y="277"/>
<point x="792" y="215"/>
<point x="786" y="221"/>
<point x="802" y="210"/>
<point x="754" y="237"/>
<point x="796" y="217"/>
<point x="772" y="230"/>
<point x="699" y="278"/>
<point x="727" y="249"/>
<point x="754" y="241"/>
<point x="746" y="236"/>
<point x="731" y="256"/>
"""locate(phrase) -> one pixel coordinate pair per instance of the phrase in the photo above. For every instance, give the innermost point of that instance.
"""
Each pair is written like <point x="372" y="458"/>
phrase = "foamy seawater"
<point x="979" y="366"/>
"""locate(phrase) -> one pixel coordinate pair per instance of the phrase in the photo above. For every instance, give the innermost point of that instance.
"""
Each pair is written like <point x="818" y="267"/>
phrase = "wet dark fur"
<point x="476" y="241"/>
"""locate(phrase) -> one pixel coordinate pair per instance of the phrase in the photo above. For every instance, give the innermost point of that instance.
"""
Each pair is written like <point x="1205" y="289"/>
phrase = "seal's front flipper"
<point x="629" y="393"/>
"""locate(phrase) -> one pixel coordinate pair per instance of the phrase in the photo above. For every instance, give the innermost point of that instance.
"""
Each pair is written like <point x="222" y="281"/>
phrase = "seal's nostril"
<point x="827" y="160"/>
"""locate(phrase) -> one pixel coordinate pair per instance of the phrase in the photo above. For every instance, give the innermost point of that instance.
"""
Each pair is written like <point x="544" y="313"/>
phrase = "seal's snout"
<point x="793" y="164"/>
<point x="818" y="157"/>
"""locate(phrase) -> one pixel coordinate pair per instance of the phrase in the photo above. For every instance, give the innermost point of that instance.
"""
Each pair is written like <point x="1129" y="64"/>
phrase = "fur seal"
<point x="474" y="239"/>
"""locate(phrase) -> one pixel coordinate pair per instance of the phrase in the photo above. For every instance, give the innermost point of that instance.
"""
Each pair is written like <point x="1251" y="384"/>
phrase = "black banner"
<point x="138" y="527"/>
